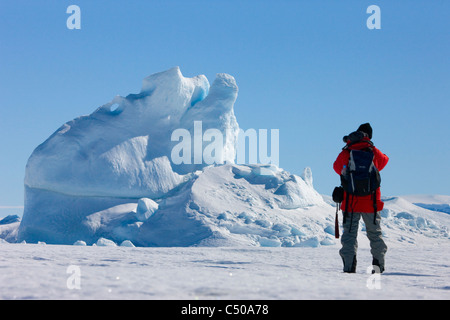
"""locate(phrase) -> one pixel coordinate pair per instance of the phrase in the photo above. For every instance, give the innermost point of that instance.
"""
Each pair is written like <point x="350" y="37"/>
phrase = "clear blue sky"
<point x="311" y="69"/>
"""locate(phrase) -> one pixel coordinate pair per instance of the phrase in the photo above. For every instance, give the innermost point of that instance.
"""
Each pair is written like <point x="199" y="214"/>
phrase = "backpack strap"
<point x="347" y="199"/>
<point x="355" y="142"/>
<point x="336" y="221"/>
<point x="375" y="210"/>
<point x="346" y="212"/>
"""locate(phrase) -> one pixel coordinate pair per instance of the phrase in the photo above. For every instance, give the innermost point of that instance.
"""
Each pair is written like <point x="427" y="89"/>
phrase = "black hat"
<point x="366" y="128"/>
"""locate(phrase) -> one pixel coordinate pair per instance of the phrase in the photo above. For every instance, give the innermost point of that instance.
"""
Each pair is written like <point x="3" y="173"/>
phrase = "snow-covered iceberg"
<point x="110" y="175"/>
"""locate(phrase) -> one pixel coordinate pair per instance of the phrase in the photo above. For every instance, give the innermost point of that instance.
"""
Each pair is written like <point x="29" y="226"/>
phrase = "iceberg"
<point x="123" y="148"/>
<point x="110" y="175"/>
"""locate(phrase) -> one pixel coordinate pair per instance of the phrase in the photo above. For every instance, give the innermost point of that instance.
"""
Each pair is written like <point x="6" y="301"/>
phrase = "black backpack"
<point x="360" y="177"/>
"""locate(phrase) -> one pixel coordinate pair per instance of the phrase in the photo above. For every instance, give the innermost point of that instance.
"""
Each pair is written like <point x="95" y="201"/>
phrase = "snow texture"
<point x="31" y="271"/>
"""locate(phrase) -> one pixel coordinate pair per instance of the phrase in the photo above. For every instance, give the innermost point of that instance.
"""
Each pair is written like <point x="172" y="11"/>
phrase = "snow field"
<point x="32" y="271"/>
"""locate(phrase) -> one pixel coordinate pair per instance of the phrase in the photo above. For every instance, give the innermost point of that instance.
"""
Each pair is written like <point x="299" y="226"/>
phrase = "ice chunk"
<point x="330" y="230"/>
<point x="269" y="242"/>
<point x="296" y="193"/>
<point x="327" y="242"/>
<point x="282" y="229"/>
<point x="405" y="215"/>
<point x="145" y="209"/>
<point x="310" y="242"/>
<point x="102" y="242"/>
<point x="10" y="219"/>
<point x="263" y="223"/>
<point x="307" y="176"/>
<point x="127" y="243"/>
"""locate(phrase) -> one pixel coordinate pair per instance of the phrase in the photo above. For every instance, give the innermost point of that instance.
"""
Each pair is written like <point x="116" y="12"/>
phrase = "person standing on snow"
<point x="366" y="206"/>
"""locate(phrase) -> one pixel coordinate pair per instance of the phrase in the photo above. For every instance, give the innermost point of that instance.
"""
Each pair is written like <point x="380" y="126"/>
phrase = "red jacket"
<point x="364" y="203"/>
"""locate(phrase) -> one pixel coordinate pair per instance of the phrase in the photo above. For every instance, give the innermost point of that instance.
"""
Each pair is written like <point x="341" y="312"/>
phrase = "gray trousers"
<point x="350" y="243"/>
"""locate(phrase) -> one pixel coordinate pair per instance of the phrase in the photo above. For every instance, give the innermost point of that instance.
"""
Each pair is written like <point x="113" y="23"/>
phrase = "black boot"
<point x="352" y="268"/>
<point x="377" y="267"/>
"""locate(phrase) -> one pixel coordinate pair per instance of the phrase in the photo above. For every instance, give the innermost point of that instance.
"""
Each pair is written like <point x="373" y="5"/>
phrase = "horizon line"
<point x="11" y="207"/>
